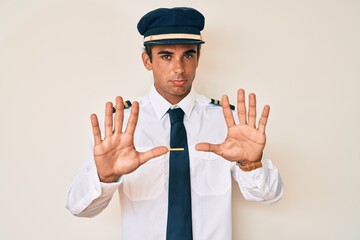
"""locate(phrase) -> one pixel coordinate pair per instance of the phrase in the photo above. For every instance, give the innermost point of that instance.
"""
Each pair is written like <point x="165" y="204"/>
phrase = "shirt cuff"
<point x="110" y="188"/>
<point x="255" y="178"/>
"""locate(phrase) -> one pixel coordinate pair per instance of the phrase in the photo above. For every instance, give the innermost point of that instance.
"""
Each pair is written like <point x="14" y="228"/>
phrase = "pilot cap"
<point x="169" y="26"/>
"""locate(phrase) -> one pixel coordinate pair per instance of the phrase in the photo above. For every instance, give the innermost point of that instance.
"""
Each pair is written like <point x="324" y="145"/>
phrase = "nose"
<point x="178" y="66"/>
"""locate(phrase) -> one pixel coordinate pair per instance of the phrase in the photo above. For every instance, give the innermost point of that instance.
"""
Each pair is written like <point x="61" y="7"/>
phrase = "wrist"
<point x="249" y="166"/>
<point x="109" y="179"/>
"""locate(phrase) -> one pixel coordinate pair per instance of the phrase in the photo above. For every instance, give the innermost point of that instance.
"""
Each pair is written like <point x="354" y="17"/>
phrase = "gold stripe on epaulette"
<point x="127" y="104"/>
<point x="218" y="103"/>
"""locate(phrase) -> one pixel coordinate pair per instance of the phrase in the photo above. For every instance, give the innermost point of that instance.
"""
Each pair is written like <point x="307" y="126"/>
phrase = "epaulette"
<point x="127" y="104"/>
<point x="218" y="103"/>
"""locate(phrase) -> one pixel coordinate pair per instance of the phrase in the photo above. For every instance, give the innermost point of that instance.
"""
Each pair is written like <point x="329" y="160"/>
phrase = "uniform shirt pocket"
<point x="210" y="173"/>
<point x="146" y="182"/>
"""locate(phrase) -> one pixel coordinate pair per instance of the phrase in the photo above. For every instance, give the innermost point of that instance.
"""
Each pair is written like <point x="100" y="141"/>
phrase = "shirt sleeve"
<point x="262" y="185"/>
<point x="87" y="196"/>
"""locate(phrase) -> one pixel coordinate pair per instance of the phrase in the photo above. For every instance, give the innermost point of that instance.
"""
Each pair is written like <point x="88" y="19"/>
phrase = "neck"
<point x="173" y="98"/>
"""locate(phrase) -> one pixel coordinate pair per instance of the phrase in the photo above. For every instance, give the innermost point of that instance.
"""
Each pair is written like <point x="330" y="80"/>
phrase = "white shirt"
<point x="144" y="192"/>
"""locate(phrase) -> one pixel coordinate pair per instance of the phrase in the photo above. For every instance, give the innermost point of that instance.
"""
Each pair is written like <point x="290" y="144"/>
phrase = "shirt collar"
<point x="161" y="106"/>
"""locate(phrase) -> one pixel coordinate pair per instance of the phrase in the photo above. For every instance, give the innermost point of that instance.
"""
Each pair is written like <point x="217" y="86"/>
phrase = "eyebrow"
<point x="166" y="52"/>
<point x="191" y="51"/>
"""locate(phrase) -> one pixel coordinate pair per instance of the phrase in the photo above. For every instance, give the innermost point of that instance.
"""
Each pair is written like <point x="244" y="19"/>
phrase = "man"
<point x="171" y="154"/>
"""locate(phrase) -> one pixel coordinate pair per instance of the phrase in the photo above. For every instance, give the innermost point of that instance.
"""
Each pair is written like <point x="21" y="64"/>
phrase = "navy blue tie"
<point x="179" y="223"/>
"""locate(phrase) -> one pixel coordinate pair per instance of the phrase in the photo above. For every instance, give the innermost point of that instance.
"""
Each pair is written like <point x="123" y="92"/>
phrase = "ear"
<point x="146" y="61"/>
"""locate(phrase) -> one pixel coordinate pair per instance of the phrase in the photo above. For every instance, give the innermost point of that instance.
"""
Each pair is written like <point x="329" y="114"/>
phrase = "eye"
<point x="188" y="55"/>
<point x="166" y="57"/>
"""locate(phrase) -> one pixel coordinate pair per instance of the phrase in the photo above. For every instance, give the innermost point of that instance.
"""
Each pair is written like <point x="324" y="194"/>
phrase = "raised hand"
<point x="116" y="155"/>
<point x="244" y="142"/>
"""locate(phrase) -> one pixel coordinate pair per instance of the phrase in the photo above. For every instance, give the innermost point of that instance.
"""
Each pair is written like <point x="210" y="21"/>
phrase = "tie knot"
<point x="176" y="115"/>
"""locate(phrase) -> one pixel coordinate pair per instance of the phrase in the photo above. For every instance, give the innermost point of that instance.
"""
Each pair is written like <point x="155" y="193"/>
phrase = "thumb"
<point x="208" y="147"/>
<point x="152" y="153"/>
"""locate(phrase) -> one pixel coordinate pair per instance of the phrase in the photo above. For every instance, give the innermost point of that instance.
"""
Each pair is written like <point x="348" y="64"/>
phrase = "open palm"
<point x="116" y="155"/>
<point x="244" y="142"/>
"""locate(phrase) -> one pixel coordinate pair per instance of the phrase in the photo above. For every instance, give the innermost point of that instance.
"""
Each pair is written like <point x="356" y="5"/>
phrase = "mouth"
<point x="178" y="82"/>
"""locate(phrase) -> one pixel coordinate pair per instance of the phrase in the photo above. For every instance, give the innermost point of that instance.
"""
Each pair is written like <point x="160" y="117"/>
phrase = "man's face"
<point x="174" y="69"/>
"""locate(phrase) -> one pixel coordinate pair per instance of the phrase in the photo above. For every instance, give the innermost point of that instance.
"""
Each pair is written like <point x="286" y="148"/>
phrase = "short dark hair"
<point x="147" y="50"/>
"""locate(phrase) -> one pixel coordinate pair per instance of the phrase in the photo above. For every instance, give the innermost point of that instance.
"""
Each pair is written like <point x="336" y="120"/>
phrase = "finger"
<point x="134" y="114"/>
<point x="208" y="147"/>
<point x="264" y="118"/>
<point x="241" y="108"/>
<point x="229" y="118"/>
<point x="96" y="129"/>
<point x="119" y="115"/>
<point x="108" y="119"/>
<point x="252" y="110"/>
<point x="152" y="153"/>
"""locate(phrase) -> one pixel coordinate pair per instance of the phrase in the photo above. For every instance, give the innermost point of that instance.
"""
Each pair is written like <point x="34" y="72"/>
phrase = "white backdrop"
<point x="60" y="61"/>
